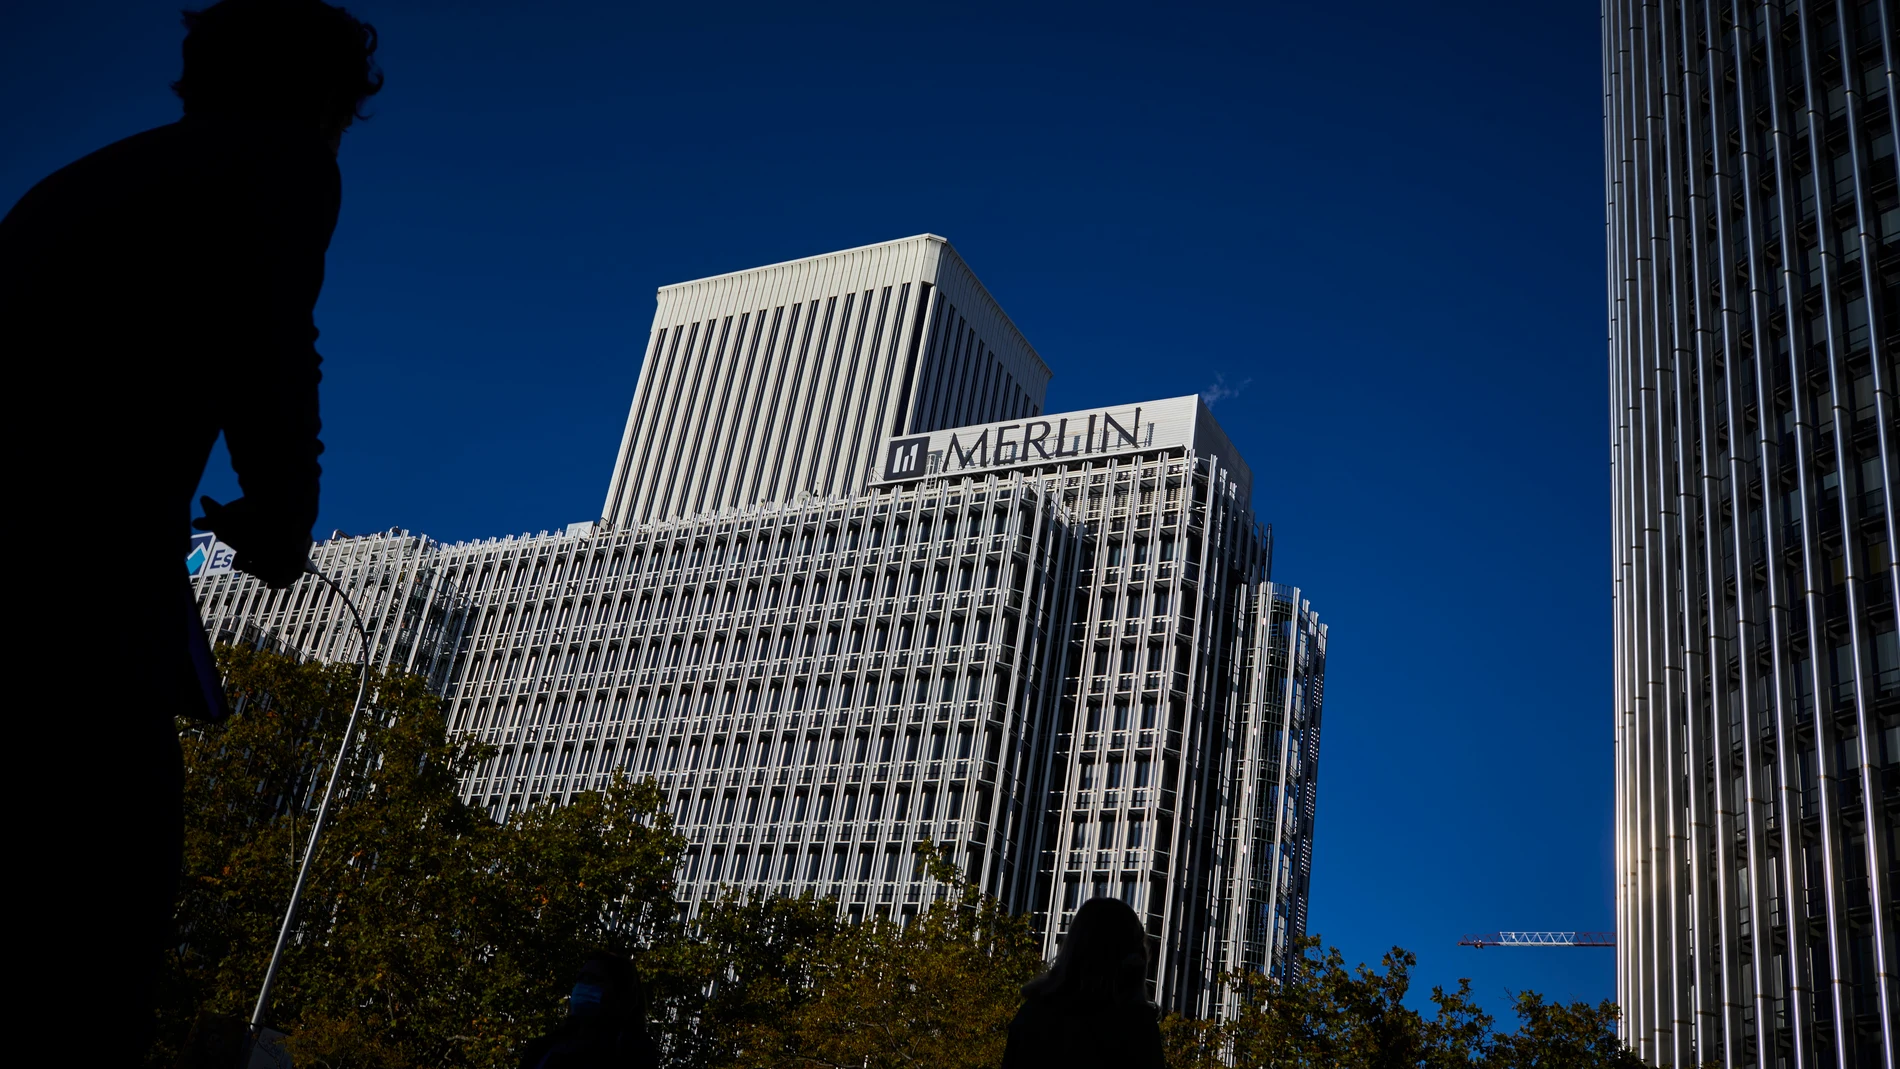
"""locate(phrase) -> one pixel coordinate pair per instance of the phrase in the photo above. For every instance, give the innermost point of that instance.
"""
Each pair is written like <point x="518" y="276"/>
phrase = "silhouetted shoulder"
<point x="198" y="147"/>
<point x="1055" y="1034"/>
<point x="187" y="195"/>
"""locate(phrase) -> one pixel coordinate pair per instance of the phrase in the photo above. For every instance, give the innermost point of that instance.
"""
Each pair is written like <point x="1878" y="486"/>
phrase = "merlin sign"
<point x="1063" y="440"/>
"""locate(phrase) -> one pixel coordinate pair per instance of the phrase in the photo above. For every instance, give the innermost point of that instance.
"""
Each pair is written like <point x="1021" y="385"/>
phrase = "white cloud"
<point x="1221" y="391"/>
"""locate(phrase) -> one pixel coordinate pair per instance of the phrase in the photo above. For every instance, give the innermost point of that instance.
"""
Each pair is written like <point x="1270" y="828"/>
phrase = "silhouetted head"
<point x="1104" y="957"/>
<point x="300" y="61"/>
<point x="606" y="988"/>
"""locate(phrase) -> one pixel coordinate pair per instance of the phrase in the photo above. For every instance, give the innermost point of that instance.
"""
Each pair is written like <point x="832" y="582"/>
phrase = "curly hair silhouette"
<point x="301" y="60"/>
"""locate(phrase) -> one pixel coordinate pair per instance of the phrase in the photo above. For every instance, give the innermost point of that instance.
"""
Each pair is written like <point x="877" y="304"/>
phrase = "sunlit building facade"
<point x="781" y="384"/>
<point x="817" y="690"/>
<point x="415" y="620"/>
<point x="1754" y="265"/>
<point x="1180" y="685"/>
<point x="1268" y="865"/>
<point x="1048" y="644"/>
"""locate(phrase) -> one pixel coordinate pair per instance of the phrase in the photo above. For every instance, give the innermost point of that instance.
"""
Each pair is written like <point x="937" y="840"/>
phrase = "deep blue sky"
<point x="1380" y="222"/>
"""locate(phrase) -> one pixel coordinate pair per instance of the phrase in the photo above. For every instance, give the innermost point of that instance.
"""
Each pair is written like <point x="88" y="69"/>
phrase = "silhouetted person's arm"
<point x="263" y="333"/>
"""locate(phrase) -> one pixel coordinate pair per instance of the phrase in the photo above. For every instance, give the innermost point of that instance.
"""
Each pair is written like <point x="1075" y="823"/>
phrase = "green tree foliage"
<point x="1553" y="1035"/>
<point x="724" y="991"/>
<point x="429" y="934"/>
<point x="1328" y="1016"/>
<point x="772" y="981"/>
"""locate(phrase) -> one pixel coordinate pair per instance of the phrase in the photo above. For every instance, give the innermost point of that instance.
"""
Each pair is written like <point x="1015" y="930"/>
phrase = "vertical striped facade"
<point x="780" y="383"/>
<point x="816" y="690"/>
<point x="1275" y="778"/>
<point x="1160" y="705"/>
<point x="1753" y="230"/>
<point x="414" y="618"/>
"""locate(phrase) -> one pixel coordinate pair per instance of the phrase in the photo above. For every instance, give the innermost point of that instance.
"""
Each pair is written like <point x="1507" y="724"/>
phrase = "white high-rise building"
<point x="1048" y="643"/>
<point x="780" y="383"/>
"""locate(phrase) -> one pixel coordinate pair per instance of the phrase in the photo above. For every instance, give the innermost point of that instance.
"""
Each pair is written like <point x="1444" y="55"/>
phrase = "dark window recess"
<point x="910" y="360"/>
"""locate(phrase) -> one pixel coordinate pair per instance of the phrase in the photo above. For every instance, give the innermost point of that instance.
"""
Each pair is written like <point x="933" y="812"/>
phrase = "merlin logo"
<point x="907" y="457"/>
<point x="1065" y="438"/>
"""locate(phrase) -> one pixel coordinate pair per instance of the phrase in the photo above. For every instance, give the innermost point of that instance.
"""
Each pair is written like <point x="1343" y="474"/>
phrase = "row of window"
<point x="895" y="691"/>
<point x="729" y="598"/>
<point x="789" y="864"/>
<point x="740" y="648"/>
<point x="720" y="752"/>
<point x="1101" y="886"/>
<point x="701" y="552"/>
<point x="1110" y="831"/>
<point x="1112" y="770"/>
<point x="706" y="809"/>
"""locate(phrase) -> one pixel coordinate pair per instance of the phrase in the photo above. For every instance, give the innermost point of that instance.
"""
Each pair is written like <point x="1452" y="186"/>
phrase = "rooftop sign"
<point x="1066" y="439"/>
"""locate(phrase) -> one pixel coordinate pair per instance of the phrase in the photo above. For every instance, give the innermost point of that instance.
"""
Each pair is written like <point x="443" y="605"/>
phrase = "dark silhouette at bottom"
<point x="606" y="1025"/>
<point x="1091" y="1007"/>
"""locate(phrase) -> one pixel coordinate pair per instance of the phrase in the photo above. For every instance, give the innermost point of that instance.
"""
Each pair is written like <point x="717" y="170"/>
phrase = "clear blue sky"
<point x="1380" y="223"/>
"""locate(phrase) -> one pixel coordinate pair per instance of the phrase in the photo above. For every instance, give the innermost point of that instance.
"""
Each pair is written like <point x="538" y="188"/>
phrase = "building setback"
<point x="1754" y="266"/>
<point x="1066" y="665"/>
<point x="782" y="382"/>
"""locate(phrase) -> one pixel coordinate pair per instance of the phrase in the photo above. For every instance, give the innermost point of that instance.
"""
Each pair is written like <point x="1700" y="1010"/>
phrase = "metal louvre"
<point x="1753" y="235"/>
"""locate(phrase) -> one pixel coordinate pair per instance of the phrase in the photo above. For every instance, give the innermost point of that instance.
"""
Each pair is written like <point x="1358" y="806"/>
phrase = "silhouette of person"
<point x="1090" y="1009"/>
<point x="153" y="295"/>
<point x="606" y="1022"/>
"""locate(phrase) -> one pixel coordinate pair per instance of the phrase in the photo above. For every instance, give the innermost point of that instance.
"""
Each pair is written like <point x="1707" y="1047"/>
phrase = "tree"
<point x="429" y="934"/>
<point x="725" y="988"/>
<point x="775" y="981"/>
<point x="1326" y="1015"/>
<point x="939" y="990"/>
<point x="1557" y="1036"/>
<point x="1329" y="1016"/>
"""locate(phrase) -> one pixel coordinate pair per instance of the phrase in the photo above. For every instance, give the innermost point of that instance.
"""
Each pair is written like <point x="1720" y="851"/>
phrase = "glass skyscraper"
<point x="880" y="600"/>
<point x="1753" y="233"/>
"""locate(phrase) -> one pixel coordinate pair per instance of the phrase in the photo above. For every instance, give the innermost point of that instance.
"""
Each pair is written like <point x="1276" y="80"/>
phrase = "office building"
<point x="1048" y="643"/>
<point x="1754" y="262"/>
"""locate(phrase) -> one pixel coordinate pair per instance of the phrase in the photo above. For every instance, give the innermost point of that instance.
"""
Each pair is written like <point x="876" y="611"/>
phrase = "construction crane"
<point x="1540" y="939"/>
